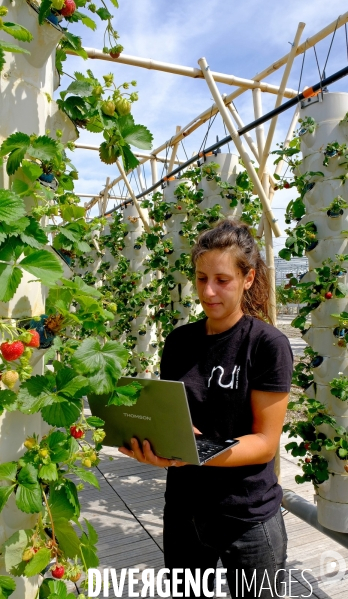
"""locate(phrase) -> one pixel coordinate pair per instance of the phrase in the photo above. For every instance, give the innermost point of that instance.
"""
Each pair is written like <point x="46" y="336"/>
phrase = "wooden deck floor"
<point x="127" y="513"/>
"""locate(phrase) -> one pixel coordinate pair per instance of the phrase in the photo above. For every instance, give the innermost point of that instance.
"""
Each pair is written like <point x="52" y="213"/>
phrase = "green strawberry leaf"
<point x="38" y="563"/>
<point x="12" y="207"/>
<point x="43" y="265"/>
<point x="71" y="384"/>
<point x="20" y="188"/>
<point x="45" y="9"/>
<point x="104" y="14"/>
<point x="70" y="212"/>
<point x="127" y="395"/>
<point x="71" y="493"/>
<point x="87" y="477"/>
<point x="7" y="586"/>
<point x="35" y="393"/>
<point x="12" y="48"/>
<point x="95" y="421"/>
<point x="34" y="235"/>
<point x="68" y="540"/>
<point x="8" y="400"/>
<point x="31" y="170"/>
<point x="28" y="494"/>
<point x="62" y="414"/>
<point x="48" y="472"/>
<point x="17" y="31"/>
<point x="10" y="277"/>
<point x="140" y="137"/>
<point x="14" y="142"/>
<point x="2" y="59"/>
<point x="54" y="589"/>
<point x="102" y="365"/>
<point x="129" y="160"/>
<point x="13" y="550"/>
<point x="85" y="20"/>
<point x="5" y="493"/>
<point x="43" y="148"/>
<point x="8" y="471"/>
<point x="59" y="504"/>
<point x="80" y="88"/>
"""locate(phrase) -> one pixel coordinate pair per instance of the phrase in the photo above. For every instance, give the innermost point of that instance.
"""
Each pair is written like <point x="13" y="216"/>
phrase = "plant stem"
<point x="51" y="519"/>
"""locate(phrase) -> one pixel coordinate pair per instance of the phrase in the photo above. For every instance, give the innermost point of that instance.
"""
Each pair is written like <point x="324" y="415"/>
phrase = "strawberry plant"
<point x="15" y="30"/>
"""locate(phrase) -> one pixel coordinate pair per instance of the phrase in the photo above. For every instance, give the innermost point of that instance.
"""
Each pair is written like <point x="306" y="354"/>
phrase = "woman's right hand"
<point x="145" y="455"/>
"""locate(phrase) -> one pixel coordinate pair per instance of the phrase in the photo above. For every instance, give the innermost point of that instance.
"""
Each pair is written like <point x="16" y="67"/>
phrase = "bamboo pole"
<point x="141" y="178"/>
<point x="96" y="195"/>
<point x="279" y="99"/>
<point x="156" y="65"/>
<point x="132" y="195"/>
<point x="268" y="243"/>
<point x="239" y="145"/>
<point x="240" y="124"/>
<point x="154" y="172"/>
<point x="174" y="151"/>
<point x="104" y="201"/>
<point x="280" y="164"/>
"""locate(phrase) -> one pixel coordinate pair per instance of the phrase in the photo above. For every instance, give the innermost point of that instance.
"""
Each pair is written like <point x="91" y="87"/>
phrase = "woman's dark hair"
<point x="235" y="236"/>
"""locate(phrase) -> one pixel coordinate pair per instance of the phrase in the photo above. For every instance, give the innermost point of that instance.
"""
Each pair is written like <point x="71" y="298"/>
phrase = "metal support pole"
<point x="307" y="512"/>
<point x="239" y="145"/>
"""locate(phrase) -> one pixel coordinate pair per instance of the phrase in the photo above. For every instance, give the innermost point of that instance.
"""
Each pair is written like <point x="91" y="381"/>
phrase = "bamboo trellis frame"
<point x="207" y="114"/>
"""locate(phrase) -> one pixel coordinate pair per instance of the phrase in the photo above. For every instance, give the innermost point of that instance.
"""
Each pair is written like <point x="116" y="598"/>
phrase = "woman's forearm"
<point x="251" y="449"/>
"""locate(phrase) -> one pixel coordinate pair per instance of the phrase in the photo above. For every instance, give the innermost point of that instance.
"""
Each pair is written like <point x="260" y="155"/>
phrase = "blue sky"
<point x="240" y="38"/>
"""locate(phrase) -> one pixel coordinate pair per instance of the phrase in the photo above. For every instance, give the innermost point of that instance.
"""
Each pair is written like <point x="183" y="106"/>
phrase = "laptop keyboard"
<point x="207" y="449"/>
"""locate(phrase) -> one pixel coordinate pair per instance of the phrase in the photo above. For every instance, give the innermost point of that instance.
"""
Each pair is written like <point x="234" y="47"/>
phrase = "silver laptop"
<point x="162" y="416"/>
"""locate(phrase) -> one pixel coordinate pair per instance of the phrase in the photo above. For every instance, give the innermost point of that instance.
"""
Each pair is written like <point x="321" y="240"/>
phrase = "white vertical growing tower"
<point x="331" y="495"/>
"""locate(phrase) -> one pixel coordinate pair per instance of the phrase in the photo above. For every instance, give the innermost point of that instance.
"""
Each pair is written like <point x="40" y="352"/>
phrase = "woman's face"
<point x="220" y="286"/>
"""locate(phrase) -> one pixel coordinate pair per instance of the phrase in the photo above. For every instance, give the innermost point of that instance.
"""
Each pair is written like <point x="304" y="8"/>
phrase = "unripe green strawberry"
<point x="28" y="554"/>
<point x="98" y="436"/>
<point x="112" y="307"/>
<point x="97" y="90"/>
<point x="87" y="462"/>
<point x="58" y="4"/>
<point x="30" y="443"/>
<point x="43" y="453"/>
<point x="9" y="378"/>
<point x="108" y="107"/>
<point x="122" y="106"/>
<point x="3" y="11"/>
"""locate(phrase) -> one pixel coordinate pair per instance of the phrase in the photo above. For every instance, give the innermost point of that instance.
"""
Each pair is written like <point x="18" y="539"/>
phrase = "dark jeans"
<point x="252" y="553"/>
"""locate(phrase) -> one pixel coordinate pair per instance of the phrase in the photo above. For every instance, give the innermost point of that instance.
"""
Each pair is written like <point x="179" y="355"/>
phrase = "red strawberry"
<point x="286" y="185"/>
<point x="35" y="339"/>
<point x="12" y="351"/>
<point x="328" y="295"/>
<point x="68" y="8"/>
<point x="307" y="446"/>
<point x="308" y="460"/>
<point x="76" y="432"/>
<point x="58" y="571"/>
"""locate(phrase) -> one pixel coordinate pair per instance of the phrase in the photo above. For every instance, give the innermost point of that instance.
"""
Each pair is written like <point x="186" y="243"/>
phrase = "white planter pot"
<point x="327" y="115"/>
<point x="323" y="341"/>
<point x="333" y="516"/>
<point x="323" y="192"/>
<point x="335" y="489"/>
<point x="328" y="227"/>
<point x="228" y="171"/>
<point x="326" y="248"/>
<point x="171" y="198"/>
<point x="174" y="222"/>
<point x="321" y="316"/>
<point x="28" y="300"/>
<point x="336" y="407"/>
<point x="335" y="464"/>
<point x="329" y="369"/>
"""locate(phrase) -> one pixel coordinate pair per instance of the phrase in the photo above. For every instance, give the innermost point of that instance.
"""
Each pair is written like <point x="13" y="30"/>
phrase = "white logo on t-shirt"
<point x="234" y="377"/>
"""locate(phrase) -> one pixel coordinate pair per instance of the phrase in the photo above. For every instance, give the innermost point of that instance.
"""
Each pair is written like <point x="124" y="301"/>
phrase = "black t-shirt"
<point x="219" y="372"/>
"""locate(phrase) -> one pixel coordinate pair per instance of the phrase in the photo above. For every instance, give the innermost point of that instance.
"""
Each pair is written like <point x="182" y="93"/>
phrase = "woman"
<point x="237" y="373"/>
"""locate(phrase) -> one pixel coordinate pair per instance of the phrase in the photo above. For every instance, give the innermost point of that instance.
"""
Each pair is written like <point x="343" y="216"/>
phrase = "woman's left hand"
<point x="145" y="455"/>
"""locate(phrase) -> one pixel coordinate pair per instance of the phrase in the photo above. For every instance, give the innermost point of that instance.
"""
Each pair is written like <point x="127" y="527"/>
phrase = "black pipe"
<point x="307" y="93"/>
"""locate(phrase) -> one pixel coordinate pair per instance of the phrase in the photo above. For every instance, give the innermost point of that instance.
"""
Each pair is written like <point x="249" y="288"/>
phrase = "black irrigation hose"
<point x="307" y="93"/>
